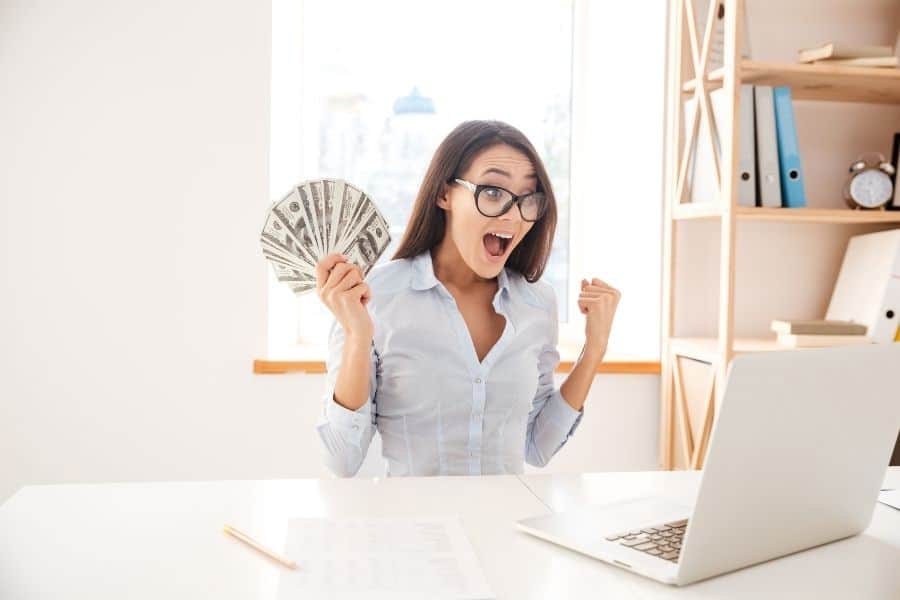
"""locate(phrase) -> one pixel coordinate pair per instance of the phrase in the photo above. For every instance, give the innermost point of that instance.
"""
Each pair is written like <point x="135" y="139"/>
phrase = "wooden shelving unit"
<point x="687" y="415"/>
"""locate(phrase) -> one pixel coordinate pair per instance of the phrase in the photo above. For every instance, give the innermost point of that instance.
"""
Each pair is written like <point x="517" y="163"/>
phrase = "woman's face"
<point x="471" y="231"/>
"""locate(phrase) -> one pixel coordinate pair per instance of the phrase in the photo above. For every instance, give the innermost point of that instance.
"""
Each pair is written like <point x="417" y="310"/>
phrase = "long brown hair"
<point x="427" y="224"/>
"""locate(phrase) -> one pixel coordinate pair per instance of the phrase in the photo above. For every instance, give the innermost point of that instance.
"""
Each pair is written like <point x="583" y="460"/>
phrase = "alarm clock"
<point x="869" y="184"/>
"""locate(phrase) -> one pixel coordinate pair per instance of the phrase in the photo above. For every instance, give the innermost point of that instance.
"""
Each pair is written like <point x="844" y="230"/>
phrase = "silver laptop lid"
<point x="796" y="456"/>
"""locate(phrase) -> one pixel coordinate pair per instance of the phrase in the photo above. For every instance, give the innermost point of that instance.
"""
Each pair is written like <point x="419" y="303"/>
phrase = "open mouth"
<point x="496" y="244"/>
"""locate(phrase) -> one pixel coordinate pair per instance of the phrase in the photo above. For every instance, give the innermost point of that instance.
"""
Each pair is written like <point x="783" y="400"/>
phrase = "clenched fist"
<point x="598" y="301"/>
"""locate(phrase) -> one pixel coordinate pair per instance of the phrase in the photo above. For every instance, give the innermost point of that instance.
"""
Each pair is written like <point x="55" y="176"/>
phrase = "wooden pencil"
<point x="257" y="546"/>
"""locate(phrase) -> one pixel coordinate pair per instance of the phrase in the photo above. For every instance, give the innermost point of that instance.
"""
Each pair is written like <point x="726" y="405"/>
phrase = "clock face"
<point x="871" y="188"/>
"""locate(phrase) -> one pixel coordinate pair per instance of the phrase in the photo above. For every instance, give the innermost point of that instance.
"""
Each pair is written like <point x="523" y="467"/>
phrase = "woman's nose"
<point x="512" y="214"/>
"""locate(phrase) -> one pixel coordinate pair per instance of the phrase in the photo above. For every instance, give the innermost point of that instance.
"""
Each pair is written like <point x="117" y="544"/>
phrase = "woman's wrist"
<point x="592" y="356"/>
<point x="356" y="342"/>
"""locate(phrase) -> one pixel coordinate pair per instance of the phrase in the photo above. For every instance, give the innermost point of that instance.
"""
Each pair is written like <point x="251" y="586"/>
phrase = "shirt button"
<point x="356" y="427"/>
<point x="478" y="380"/>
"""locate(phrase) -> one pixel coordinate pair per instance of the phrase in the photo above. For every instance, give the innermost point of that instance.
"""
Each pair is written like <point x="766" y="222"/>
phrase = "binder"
<point x="746" y="139"/>
<point x="886" y="328"/>
<point x="895" y="201"/>
<point x="792" y="193"/>
<point x="768" y="174"/>
<point x="867" y="290"/>
<point x="894" y="204"/>
<point x="700" y="179"/>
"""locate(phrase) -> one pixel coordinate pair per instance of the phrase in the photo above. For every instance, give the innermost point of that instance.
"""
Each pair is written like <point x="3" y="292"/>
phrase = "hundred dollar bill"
<point x="307" y="200"/>
<point x="334" y="188"/>
<point x="371" y="224"/>
<point x="292" y="212"/>
<point x="351" y="200"/>
<point x="320" y="214"/>
<point x="301" y="288"/>
<point x="285" y="229"/>
<point x="276" y="257"/>
<point x="289" y="275"/>
<point x="370" y="244"/>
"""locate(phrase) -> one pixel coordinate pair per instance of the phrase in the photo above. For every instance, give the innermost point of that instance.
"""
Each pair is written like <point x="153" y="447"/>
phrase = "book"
<point x="839" y="50"/>
<point x="818" y="327"/>
<point x="820" y="341"/>
<point x="866" y="61"/>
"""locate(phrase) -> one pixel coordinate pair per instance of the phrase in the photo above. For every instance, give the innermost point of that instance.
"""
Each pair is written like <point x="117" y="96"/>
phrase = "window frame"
<point x="283" y="315"/>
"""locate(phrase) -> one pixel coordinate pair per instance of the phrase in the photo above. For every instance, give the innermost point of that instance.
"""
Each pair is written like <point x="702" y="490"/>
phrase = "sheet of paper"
<point x="891" y="498"/>
<point x="381" y="558"/>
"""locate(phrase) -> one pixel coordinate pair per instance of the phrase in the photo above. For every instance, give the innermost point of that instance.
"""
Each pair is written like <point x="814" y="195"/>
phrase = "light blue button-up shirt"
<point x="439" y="410"/>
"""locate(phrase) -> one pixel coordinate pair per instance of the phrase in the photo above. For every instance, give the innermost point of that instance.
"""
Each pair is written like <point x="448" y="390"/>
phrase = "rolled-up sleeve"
<point x="346" y="434"/>
<point x="552" y="420"/>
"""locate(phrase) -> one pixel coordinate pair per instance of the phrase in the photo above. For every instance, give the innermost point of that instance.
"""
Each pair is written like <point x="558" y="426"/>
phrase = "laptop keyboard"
<point x="663" y="541"/>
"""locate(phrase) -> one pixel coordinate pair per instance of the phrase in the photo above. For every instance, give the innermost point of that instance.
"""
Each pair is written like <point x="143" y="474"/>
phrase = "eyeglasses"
<point x="493" y="201"/>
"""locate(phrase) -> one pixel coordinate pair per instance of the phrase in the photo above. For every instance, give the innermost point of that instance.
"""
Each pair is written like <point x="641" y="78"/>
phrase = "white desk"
<point x="165" y="540"/>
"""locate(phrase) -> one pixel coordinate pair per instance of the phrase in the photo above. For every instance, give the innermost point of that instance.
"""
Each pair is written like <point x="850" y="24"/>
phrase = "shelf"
<point x="712" y="210"/>
<point x="707" y="350"/>
<point x="877" y="85"/>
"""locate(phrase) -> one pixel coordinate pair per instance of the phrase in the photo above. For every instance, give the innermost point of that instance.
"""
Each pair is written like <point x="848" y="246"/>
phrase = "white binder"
<point x="746" y="140"/>
<point x="700" y="179"/>
<point x="867" y="290"/>
<point x="767" y="169"/>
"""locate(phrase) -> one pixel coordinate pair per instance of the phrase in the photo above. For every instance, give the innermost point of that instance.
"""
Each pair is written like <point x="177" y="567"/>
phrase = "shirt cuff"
<point x="351" y="423"/>
<point x="562" y="414"/>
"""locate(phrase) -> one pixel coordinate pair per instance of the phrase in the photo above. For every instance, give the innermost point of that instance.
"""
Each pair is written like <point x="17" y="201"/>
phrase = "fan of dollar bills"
<point x="315" y="219"/>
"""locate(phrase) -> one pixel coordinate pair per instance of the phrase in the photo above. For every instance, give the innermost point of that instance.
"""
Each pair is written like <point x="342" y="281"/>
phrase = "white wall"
<point x="133" y="169"/>
<point x="133" y="159"/>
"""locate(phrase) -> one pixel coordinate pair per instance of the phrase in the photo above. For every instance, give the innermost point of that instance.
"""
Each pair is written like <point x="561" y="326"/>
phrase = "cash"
<point x="317" y="218"/>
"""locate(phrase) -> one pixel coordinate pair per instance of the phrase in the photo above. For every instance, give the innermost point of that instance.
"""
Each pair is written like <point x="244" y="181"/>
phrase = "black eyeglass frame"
<point x="476" y="189"/>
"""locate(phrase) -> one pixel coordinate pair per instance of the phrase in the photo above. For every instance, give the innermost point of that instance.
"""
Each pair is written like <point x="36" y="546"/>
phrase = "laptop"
<point x="796" y="458"/>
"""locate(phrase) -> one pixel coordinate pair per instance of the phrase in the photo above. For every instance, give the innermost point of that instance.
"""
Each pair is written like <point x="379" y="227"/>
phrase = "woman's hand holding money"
<point x="343" y="290"/>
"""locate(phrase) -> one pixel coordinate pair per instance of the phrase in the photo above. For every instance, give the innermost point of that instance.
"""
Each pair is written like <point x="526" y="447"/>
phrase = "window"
<point x="378" y="99"/>
<point x="369" y="101"/>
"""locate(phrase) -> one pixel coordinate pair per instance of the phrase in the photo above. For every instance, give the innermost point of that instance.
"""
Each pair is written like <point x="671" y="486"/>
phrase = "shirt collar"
<point x="423" y="274"/>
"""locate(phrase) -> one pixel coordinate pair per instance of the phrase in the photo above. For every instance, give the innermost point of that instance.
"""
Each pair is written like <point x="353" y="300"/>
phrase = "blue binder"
<point x="792" y="193"/>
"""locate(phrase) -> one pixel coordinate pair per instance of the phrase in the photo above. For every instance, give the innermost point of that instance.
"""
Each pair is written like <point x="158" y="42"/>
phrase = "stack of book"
<point x="819" y="333"/>
<point x="835" y="53"/>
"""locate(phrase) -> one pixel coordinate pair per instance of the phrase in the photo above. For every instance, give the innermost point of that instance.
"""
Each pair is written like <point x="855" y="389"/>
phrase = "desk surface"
<point x="165" y="540"/>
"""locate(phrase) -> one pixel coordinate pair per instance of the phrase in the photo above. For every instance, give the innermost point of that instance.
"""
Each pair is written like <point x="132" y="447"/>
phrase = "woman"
<point x="449" y="349"/>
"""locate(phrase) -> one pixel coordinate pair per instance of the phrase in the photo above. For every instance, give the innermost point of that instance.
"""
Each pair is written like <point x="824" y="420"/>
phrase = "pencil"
<point x="256" y="545"/>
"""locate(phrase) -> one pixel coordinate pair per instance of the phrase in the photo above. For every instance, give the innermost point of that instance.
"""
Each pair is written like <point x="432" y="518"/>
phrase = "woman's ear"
<point x="443" y="199"/>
